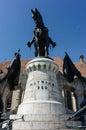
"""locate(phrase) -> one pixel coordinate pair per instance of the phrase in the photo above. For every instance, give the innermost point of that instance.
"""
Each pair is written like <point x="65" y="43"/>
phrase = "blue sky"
<point x="65" y="19"/>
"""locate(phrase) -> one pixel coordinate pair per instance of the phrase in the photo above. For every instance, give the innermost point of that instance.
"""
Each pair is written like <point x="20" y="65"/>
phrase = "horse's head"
<point x="37" y="18"/>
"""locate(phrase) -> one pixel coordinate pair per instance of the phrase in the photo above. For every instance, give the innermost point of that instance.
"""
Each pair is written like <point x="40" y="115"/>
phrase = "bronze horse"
<point x="41" y="38"/>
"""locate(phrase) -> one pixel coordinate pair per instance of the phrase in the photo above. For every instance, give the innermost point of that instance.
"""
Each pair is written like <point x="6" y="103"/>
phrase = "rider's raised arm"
<point x="52" y="43"/>
<point x="31" y="42"/>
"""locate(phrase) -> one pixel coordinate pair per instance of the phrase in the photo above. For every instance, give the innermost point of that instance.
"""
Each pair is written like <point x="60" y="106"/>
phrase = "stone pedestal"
<point x="41" y="106"/>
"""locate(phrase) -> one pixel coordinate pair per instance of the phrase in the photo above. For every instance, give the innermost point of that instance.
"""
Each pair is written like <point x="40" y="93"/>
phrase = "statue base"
<point x="41" y="108"/>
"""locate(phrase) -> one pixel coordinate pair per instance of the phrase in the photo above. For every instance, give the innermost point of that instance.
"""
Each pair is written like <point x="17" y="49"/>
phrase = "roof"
<point x="81" y="67"/>
<point x="58" y="60"/>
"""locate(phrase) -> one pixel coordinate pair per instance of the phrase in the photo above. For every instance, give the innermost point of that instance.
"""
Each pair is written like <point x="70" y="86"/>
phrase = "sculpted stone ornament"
<point x="8" y="81"/>
<point x="13" y="72"/>
<point x="41" y="38"/>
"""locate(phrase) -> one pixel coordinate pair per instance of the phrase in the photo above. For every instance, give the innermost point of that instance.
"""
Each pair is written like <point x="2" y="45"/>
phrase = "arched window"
<point x="69" y="99"/>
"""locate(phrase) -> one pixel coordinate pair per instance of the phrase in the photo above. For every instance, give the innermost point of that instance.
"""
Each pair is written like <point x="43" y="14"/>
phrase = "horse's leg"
<point x="36" y="50"/>
<point x="46" y="51"/>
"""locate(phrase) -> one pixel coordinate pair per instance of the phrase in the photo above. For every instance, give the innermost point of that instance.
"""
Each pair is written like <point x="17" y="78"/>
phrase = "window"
<point x="45" y="87"/>
<point x="42" y="81"/>
<point x="41" y="87"/>
<point x="69" y="99"/>
<point x="52" y="84"/>
<point x="38" y="87"/>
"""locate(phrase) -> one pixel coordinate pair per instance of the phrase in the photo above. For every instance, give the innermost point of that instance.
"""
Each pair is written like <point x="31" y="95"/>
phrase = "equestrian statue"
<point x="41" y="38"/>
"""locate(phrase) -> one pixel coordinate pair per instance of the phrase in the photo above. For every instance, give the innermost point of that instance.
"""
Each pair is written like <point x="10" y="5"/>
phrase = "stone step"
<point x="57" y="121"/>
<point x="35" y="126"/>
<point x="36" y="117"/>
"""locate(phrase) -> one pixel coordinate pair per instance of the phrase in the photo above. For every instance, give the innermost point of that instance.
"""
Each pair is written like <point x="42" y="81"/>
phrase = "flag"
<point x="69" y="69"/>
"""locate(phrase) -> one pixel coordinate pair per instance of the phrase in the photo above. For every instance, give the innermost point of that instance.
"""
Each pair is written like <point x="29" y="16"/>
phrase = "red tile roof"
<point x="81" y="67"/>
<point x="59" y="61"/>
